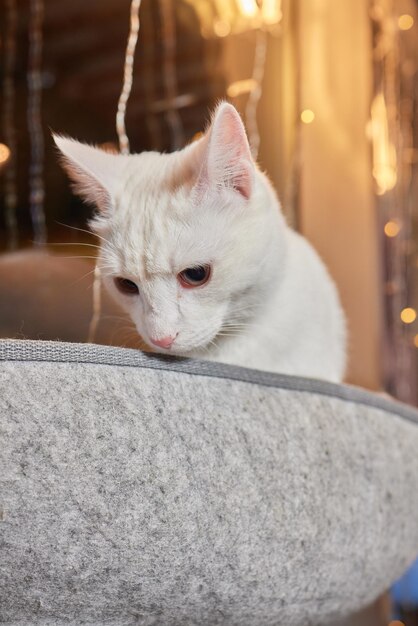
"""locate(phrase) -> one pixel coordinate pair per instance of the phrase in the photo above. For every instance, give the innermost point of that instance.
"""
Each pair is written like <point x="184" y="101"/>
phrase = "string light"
<point x="248" y="8"/>
<point x="170" y="72"/>
<point x="405" y="22"/>
<point x="307" y="116"/>
<point x="223" y="17"/>
<point x="240" y="87"/>
<point x="149" y="84"/>
<point x="4" y="153"/>
<point x="408" y="315"/>
<point x="36" y="181"/>
<point x="127" y="77"/>
<point x="271" y="12"/>
<point x="256" y="91"/>
<point x="384" y="152"/>
<point x="392" y="228"/>
<point x="123" y="146"/>
<point x="9" y="130"/>
<point x="97" y="305"/>
<point x="392" y="140"/>
<point x="221" y="28"/>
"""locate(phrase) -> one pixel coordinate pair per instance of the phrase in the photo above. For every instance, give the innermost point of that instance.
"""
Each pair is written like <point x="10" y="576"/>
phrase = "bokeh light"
<point x="4" y="153"/>
<point x="392" y="228"/>
<point x="408" y="315"/>
<point x="405" y="22"/>
<point x="307" y="116"/>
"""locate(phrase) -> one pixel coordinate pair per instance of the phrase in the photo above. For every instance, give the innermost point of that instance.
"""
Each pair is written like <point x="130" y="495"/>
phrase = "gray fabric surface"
<point x="136" y="490"/>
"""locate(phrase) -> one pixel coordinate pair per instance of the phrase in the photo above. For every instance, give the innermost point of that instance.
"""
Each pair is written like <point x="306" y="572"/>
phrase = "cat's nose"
<point x="164" y="342"/>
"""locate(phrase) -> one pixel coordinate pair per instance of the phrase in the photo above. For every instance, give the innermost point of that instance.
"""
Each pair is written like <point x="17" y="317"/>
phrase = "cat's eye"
<point x="126" y="286"/>
<point x="195" y="276"/>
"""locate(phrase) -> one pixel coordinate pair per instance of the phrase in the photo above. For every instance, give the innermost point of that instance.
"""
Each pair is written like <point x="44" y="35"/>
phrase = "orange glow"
<point x="221" y="28"/>
<point x="271" y="11"/>
<point x="248" y="8"/>
<point x="392" y="228"/>
<point x="416" y="341"/>
<point x="221" y="18"/>
<point x="384" y="153"/>
<point x="408" y="315"/>
<point x="4" y="153"/>
<point x="405" y="22"/>
<point x="307" y="116"/>
<point x="241" y="86"/>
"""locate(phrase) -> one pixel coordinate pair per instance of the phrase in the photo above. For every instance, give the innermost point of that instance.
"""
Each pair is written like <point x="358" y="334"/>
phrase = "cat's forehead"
<point x="161" y="225"/>
<point x="153" y="173"/>
<point x="164" y="231"/>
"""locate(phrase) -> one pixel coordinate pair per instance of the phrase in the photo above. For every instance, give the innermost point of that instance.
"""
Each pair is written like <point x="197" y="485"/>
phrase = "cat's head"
<point x="185" y="238"/>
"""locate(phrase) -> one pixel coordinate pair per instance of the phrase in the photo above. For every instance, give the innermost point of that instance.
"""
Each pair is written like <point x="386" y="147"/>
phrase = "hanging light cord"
<point x="9" y="130"/>
<point x="255" y="94"/>
<point x="36" y="168"/>
<point x="127" y="77"/>
<point x="123" y="144"/>
<point x="169" y="42"/>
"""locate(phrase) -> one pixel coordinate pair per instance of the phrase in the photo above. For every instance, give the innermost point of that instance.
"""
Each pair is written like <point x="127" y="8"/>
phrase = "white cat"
<point x="194" y="246"/>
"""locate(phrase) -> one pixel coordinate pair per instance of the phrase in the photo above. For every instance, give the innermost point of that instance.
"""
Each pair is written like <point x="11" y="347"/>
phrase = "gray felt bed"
<point x="142" y="490"/>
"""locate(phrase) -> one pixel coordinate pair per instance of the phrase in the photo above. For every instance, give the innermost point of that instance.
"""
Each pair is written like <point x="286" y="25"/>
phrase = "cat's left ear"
<point x="227" y="160"/>
<point x="94" y="172"/>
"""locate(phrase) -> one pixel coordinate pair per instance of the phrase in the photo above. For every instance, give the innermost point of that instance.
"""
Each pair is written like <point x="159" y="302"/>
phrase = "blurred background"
<point x="329" y="94"/>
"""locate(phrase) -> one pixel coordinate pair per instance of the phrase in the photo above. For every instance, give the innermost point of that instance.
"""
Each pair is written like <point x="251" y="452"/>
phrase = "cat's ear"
<point x="92" y="171"/>
<point x="227" y="161"/>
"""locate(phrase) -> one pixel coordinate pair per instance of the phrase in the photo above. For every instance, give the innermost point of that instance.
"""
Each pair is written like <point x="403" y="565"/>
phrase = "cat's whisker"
<point x="121" y="332"/>
<point x="241" y="326"/>
<point x="88" y="232"/>
<point x="78" y="256"/>
<point x="71" y="243"/>
<point x="76" y="282"/>
<point x="81" y="278"/>
<point x="244" y="308"/>
<point x="126" y="335"/>
<point x="118" y="318"/>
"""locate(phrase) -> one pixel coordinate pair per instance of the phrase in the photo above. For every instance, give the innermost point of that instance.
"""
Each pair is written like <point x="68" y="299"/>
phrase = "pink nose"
<point x="164" y="342"/>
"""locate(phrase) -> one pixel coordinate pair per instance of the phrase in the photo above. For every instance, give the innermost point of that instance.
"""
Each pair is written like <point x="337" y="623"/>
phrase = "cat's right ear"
<point x="92" y="171"/>
<point x="225" y="156"/>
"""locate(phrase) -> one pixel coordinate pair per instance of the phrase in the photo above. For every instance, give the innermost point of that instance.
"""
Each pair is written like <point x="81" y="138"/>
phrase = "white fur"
<point x="270" y="303"/>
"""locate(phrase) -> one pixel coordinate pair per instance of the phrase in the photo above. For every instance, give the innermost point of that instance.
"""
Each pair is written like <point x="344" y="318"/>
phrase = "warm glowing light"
<point x="271" y="11"/>
<point x="384" y="152"/>
<point x="221" y="28"/>
<point x="4" y="153"/>
<point x="405" y="22"/>
<point x="248" y="8"/>
<point x="221" y="18"/>
<point x="408" y="315"/>
<point x="396" y="622"/>
<point x="307" y="116"/>
<point x="392" y="228"/>
<point x="416" y="341"/>
<point x="241" y="86"/>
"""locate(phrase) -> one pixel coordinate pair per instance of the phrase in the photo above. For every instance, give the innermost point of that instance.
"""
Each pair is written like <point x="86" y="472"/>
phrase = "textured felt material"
<point x="140" y="490"/>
